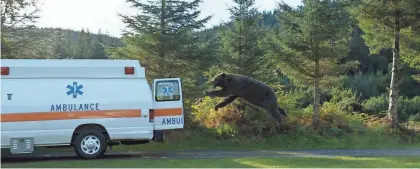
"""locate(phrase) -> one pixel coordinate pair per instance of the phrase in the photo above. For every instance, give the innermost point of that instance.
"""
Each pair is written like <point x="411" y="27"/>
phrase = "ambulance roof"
<point x="71" y="68"/>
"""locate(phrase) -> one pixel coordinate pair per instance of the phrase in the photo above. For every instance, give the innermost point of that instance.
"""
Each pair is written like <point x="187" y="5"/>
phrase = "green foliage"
<point x="57" y="43"/>
<point x="336" y="121"/>
<point x="377" y="20"/>
<point x="162" y="38"/>
<point x="360" y="52"/>
<point x="408" y="85"/>
<point x="240" y="50"/>
<point x="372" y="84"/>
<point x="280" y="48"/>
<point x="99" y="47"/>
<point x="346" y="99"/>
<point x="18" y="35"/>
<point x="414" y="117"/>
<point x="233" y="121"/>
<point x="303" y="33"/>
<point x="298" y="98"/>
<point x="378" y="106"/>
<point x="369" y="84"/>
<point x="390" y="25"/>
<point x="309" y="42"/>
<point x="408" y="107"/>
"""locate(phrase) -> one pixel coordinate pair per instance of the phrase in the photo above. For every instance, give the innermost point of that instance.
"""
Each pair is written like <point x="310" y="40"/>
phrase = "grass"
<point x="277" y="143"/>
<point x="292" y="141"/>
<point x="312" y="162"/>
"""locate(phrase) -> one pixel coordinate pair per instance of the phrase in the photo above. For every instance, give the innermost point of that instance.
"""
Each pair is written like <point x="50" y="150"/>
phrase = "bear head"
<point x="220" y="80"/>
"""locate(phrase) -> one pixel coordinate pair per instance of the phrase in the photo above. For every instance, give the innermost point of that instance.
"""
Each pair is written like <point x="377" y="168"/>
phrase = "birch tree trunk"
<point x="393" y="94"/>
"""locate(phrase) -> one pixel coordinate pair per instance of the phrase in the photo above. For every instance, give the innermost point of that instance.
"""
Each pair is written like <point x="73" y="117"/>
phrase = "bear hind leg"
<point x="275" y="113"/>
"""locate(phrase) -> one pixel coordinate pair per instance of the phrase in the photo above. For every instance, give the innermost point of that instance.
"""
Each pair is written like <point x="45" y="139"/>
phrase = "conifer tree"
<point x="58" y="51"/>
<point x="69" y="45"/>
<point x="309" y="43"/>
<point x="240" y="50"/>
<point x="98" y="47"/>
<point x="81" y="48"/>
<point x="390" y="24"/>
<point x="19" y="38"/>
<point x="161" y="36"/>
<point x="88" y="44"/>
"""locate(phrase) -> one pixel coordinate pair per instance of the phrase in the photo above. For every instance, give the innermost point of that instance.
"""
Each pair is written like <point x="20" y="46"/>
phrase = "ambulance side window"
<point x="167" y="90"/>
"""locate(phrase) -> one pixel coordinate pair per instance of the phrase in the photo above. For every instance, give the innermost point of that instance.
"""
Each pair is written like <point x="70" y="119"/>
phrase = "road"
<point x="219" y="154"/>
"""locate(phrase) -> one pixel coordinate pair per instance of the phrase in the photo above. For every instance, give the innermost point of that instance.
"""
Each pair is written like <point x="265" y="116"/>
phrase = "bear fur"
<point x="247" y="88"/>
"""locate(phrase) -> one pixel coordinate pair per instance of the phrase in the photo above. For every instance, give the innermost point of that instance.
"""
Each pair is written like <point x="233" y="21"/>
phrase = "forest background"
<point x="345" y="71"/>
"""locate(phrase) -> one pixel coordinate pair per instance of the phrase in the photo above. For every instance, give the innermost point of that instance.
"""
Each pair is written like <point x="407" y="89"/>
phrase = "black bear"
<point x="247" y="88"/>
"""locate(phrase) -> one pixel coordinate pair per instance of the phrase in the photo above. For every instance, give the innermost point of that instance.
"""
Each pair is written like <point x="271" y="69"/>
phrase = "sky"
<point x="102" y="14"/>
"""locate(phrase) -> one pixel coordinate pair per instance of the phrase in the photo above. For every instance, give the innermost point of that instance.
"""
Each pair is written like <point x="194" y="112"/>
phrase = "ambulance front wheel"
<point x="90" y="144"/>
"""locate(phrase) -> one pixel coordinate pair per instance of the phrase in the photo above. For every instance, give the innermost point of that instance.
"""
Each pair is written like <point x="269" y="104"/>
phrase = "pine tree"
<point x="162" y="37"/>
<point x="81" y="49"/>
<point x="68" y="53"/>
<point x="390" y="24"/>
<point x="98" y="47"/>
<point x="88" y="44"/>
<point x="239" y="50"/>
<point x="58" y="47"/>
<point x="309" y="42"/>
<point x="19" y="38"/>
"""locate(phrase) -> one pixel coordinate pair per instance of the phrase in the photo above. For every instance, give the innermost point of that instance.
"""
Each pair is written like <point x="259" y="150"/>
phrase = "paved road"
<point x="220" y="154"/>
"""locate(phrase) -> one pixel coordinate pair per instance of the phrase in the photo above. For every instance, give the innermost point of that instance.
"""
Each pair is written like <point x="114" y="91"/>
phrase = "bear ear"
<point x="223" y="74"/>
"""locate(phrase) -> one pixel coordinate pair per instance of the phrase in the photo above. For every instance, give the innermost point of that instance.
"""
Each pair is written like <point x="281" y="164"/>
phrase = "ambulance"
<point x="87" y="104"/>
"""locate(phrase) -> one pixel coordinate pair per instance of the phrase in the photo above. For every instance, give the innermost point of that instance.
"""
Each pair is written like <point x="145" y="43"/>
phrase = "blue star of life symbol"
<point x="75" y="89"/>
<point x="167" y="90"/>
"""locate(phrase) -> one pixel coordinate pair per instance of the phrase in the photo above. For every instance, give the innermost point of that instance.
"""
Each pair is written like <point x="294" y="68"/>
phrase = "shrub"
<point x="242" y="121"/>
<point x="334" y="122"/>
<point x="297" y="98"/>
<point x="369" y="84"/>
<point x="236" y="119"/>
<point x="376" y="105"/>
<point x="346" y="99"/>
<point x="414" y="117"/>
<point x="301" y="97"/>
<point x="406" y="107"/>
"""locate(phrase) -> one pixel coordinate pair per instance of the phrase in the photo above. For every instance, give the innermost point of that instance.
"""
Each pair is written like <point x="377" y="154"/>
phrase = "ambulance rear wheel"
<point x="90" y="144"/>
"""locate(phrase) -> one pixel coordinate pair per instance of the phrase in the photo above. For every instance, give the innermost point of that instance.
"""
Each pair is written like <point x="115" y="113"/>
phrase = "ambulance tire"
<point x="97" y="136"/>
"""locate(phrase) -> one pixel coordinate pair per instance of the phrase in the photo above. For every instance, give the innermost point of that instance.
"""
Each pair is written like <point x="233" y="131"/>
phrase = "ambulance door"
<point x="168" y="112"/>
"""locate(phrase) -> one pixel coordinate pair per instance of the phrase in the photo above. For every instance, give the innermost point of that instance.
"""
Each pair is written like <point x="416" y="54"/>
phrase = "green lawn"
<point x="281" y="142"/>
<point x="324" y="162"/>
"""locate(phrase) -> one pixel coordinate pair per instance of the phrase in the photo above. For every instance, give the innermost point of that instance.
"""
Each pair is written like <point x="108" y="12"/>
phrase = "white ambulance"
<point x="86" y="104"/>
